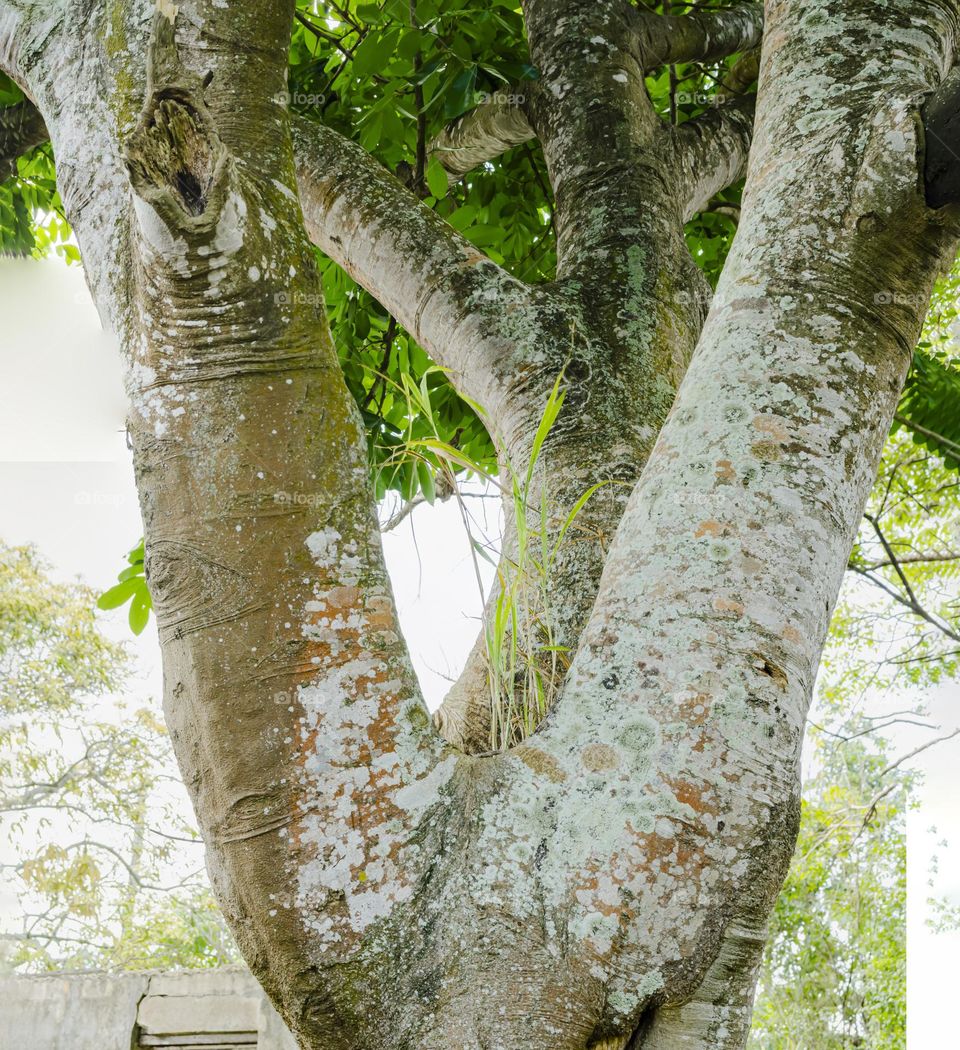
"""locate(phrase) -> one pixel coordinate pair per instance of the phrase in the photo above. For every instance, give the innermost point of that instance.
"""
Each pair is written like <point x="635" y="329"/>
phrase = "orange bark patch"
<point x="692" y="795"/>
<point x="340" y="598"/>
<point x="725" y="471"/>
<point x="379" y="612"/>
<point x="708" y="528"/>
<point x="348" y="623"/>
<point x="695" y="710"/>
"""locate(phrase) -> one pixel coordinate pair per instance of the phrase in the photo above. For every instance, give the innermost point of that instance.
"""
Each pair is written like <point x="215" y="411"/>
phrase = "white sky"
<point x="66" y="485"/>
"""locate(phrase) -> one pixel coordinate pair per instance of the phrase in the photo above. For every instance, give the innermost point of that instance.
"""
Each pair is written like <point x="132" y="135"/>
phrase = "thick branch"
<point x="443" y="290"/>
<point x="711" y="153"/>
<point x="12" y="20"/>
<point x="706" y="36"/>
<point x="21" y="129"/>
<point x="495" y="126"/>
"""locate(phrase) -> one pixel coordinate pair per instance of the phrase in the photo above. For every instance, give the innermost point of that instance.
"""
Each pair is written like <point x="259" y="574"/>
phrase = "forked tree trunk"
<point x="608" y="882"/>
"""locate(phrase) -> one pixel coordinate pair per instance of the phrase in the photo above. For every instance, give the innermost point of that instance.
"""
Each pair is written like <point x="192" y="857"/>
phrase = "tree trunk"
<point x="607" y="882"/>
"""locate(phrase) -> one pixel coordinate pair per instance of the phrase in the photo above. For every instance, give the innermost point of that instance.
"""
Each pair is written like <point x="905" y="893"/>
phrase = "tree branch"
<point x="908" y="602"/>
<point x="932" y="434"/>
<point x="445" y="292"/>
<point x="918" y="750"/>
<point x="894" y="561"/>
<point x="495" y="126"/>
<point x="705" y="36"/>
<point x="21" y="129"/>
<point x="711" y="152"/>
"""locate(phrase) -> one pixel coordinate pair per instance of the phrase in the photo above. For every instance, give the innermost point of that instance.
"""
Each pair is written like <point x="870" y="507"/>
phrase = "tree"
<point x="607" y="881"/>
<point x="834" y="974"/>
<point x="82" y="796"/>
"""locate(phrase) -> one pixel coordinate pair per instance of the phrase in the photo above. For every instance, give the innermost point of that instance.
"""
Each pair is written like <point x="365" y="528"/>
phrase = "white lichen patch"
<point x="322" y="544"/>
<point x="360" y="751"/>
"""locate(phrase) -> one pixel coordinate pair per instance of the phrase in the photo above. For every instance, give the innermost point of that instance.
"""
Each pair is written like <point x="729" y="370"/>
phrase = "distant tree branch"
<point x="907" y="597"/>
<point x="918" y="750"/>
<point x="951" y="446"/>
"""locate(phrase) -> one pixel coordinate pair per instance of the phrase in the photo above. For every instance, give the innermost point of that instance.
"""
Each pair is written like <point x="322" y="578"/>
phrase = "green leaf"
<point x="930" y="407"/>
<point x="375" y="52"/>
<point x="437" y="181"/>
<point x="118" y="595"/>
<point x="427" y="486"/>
<point x="139" y="612"/>
<point x="133" y="588"/>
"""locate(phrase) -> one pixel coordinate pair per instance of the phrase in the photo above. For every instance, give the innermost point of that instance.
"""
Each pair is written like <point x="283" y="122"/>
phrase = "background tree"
<point x="834" y="974"/>
<point x="624" y="859"/>
<point x="84" y="796"/>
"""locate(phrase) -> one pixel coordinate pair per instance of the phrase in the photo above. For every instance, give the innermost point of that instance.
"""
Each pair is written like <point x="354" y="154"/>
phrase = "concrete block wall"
<point x="199" y="1010"/>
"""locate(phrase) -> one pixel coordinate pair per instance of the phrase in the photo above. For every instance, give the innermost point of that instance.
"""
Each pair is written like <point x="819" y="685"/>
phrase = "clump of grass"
<point x="525" y="663"/>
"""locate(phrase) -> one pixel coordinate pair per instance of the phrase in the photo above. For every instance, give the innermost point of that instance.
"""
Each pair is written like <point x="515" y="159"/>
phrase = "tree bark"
<point x="607" y="882"/>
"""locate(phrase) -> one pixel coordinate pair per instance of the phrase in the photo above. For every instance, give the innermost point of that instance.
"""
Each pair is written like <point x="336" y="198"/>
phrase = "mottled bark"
<point x="606" y="883"/>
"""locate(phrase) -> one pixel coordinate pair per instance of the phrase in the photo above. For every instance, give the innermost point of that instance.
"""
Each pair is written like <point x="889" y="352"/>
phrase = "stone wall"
<point x="200" y="1010"/>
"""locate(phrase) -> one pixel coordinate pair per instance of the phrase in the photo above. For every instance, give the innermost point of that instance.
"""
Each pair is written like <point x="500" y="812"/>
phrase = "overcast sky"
<point x="66" y="485"/>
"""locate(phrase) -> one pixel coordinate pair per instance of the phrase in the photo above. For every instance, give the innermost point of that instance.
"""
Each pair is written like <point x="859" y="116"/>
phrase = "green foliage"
<point x="390" y="76"/>
<point x="132" y="588"/>
<point x="834" y="973"/>
<point x="51" y="650"/>
<point x="85" y="805"/>
<point x="930" y="407"/>
<point x="31" y="213"/>
<point x="907" y="561"/>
